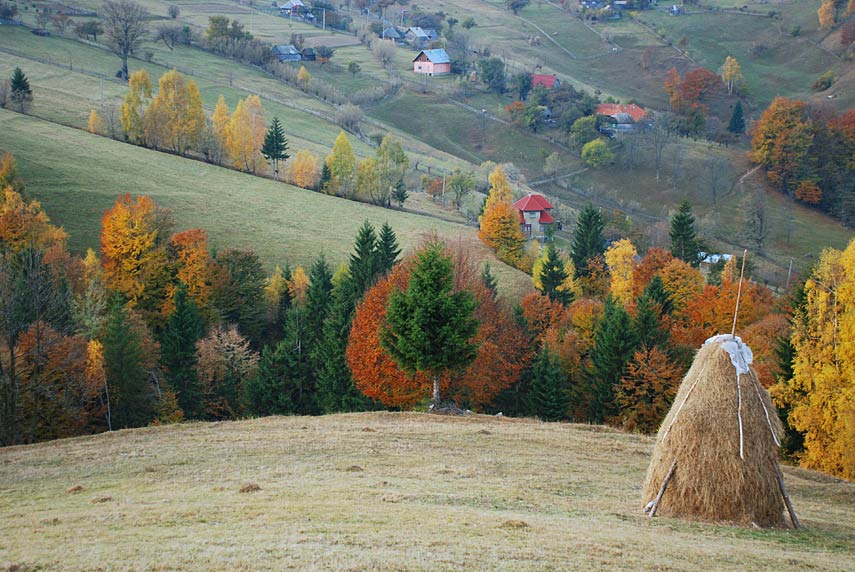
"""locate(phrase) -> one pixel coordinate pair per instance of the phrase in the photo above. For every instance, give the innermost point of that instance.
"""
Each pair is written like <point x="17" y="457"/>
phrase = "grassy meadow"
<point x="381" y="491"/>
<point x="76" y="176"/>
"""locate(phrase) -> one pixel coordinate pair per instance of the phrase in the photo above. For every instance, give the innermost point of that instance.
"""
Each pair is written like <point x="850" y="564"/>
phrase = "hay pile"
<point x="719" y="475"/>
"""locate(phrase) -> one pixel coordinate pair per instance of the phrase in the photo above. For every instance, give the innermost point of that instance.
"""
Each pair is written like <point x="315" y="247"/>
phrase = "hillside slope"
<point x="380" y="491"/>
<point x="77" y="176"/>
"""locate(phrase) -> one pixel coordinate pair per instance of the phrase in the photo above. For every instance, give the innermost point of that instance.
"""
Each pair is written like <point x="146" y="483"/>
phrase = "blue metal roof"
<point x="438" y="56"/>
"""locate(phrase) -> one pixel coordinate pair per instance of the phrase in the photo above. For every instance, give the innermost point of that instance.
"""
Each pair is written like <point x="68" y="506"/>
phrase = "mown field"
<point x="77" y="176"/>
<point x="385" y="492"/>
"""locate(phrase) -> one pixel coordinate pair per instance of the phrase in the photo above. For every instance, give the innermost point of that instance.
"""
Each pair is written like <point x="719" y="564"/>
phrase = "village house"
<point x="622" y="118"/>
<point x="432" y="62"/>
<point x="546" y="80"/>
<point x="535" y="217"/>
<point x="292" y="8"/>
<point x="287" y="53"/>
<point x="308" y="54"/>
<point x="420" y="37"/>
<point x="392" y="34"/>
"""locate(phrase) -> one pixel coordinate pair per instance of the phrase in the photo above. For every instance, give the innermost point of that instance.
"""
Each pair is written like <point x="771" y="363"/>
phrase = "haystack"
<point x="716" y="454"/>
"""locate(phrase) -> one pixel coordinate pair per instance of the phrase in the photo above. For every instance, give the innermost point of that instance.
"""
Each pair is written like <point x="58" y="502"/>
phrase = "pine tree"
<point x="131" y="402"/>
<point x="318" y="300"/>
<point x="324" y="182"/>
<point x="657" y="293"/>
<point x="275" y="146"/>
<point x="737" y="120"/>
<point x="552" y="277"/>
<point x="684" y="242"/>
<point x="283" y="383"/>
<point x="20" y="92"/>
<point x="614" y="345"/>
<point x="178" y="352"/>
<point x="388" y="250"/>
<point x="430" y="327"/>
<point x="549" y="396"/>
<point x="364" y="266"/>
<point x="648" y="323"/>
<point x="587" y="238"/>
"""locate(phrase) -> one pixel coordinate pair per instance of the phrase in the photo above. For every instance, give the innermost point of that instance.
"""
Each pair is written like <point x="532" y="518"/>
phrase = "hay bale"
<point x="711" y="481"/>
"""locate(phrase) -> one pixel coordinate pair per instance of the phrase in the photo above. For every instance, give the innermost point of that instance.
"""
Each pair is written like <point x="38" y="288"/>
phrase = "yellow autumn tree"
<point x="220" y="120"/>
<point x="275" y="287"/>
<point x="175" y="118"/>
<point x="134" y="106"/>
<point x="500" y="223"/>
<point x="303" y="76"/>
<point x="621" y="260"/>
<point x="95" y="124"/>
<point x="500" y="188"/>
<point x="128" y="244"/>
<point x="731" y="72"/>
<point x="245" y="134"/>
<point x="821" y="395"/>
<point x="682" y="282"/>
<point x="342" y="167"/>
<point x="304" y="170"/>
<point x="826" y="14"/>
<point x="298" y="285"/>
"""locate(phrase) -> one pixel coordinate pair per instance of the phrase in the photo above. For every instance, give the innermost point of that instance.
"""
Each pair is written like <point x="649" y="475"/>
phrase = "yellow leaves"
<point x="95" y="125"/>
<point x="826" y="14"/>
<point x="304" y="170"/>
<point x="220" y="119"/>
<point x="274" y="289"/>
<point x="500" y="229"/>
<point x="175" y="118"/>
<point x="245" y="134"/>
<point x="95" y="374"/>
<point x="500" y="189"/>
<point x="133" y="108"/>
<point x="128" y="240"/>
<point x="621" y="260"/>
<point x="24" y="223"/>
<point x="682" y="282"/>
<point x="342" y="167"/>
<point x="298" y="285"/>
<point x="731" y="72"/>
<point x="303" y="76"/>
<point x="821" y="394"/>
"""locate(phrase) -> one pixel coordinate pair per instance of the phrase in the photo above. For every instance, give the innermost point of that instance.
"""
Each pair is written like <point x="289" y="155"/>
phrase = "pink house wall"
<point x="430" y="68"/>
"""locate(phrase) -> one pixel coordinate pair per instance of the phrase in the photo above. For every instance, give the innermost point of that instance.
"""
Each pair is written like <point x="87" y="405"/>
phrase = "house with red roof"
<point x="547" y="81"/>
<point x="622" y="117"/>
<point x="535" y="217"/>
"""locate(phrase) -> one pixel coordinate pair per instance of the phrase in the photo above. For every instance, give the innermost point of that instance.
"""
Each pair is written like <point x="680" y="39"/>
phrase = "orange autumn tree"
<point x="23" y="223"/>
<point x="195" y="267"/>
<point x="500" y="223"/>
<point x="128" y="244"/>
<point x="647" y="389"/>
<point x="654" y="261"/>
<point x="501" y="357"/>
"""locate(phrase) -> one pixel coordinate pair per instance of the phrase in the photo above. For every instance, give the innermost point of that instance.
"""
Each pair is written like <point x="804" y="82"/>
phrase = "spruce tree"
<point x="657" y="293"/>
<point x="132" y="402"/>
<point x="318" y="299"/>
<point x="275" y="146"/>
<point x="587" y="238"/>
<point x="283" y="382"/>
<point x="388" y="250"/>
<point x="737" y="120"/>
<point x="430" y="326"/>
<point x="178" y="352"/>
<point x="684" y="242"/>
<point x="552" y="276"/>
<point x="324" y="182"/>
<point x="648" y="323"/>
<point x="364" y="266"/>
<point x="549" y="393"/>
<point x="614" y="344"/>
<point x="20" y="92"/>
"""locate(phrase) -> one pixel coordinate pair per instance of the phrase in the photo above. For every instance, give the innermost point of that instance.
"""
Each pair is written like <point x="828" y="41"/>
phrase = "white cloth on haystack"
<point x="740" y="354"/>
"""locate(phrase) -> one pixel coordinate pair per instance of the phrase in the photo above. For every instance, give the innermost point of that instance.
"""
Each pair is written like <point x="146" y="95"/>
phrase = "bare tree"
<point x="756" y="226"/>
<point x="715" y="168"/>
<point x="169" y="34"/>
<point x="61" y="22"/>
<point x="657" y="140"/>
<point x="173" y="11"/>
<point x="125" y="22"/>
<point x="43" y="17"/>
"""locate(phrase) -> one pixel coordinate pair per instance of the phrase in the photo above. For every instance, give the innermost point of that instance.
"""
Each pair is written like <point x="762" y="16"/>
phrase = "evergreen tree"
<point x="648" y="323"/>
<point x="132" y="402"/>
<point x="324" y="183"/>
<point x="429" y="326"/>
<point x="178" y="352"/>
<point x="657" y="293"/>
<point x="364" y="266"/>
<point x="684" y="242"/>
<point x="489" y="280"/>
<point x="388" y="250"/>
<point x="614" y="344"/>
<point x="552" y="277"/>
<point x="335" y="388"/>
<point x="283" y="382"/>
<point x="20" y="92"/>
<point x="587" y="238"/>
<point x="239" y="297"/>
<point x="318" y="299"/>
<point x="275" y="146"/>
<point x="549" y="396"/>
<point x="737" y="120"/>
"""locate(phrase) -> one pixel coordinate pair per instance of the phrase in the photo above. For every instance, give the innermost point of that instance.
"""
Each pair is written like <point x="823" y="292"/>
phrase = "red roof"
<point x="545" y="217"/>
<point x="545" y="80"/>
<point x="532" y="202"/>
<point x="612" y="109"/>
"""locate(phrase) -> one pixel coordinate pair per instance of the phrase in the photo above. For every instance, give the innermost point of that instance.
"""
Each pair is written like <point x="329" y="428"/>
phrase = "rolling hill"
<point x="380" y="491"/>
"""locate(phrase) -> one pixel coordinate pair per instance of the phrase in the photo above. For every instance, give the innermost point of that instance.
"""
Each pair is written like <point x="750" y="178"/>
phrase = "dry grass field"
<point x="380" y="491"/>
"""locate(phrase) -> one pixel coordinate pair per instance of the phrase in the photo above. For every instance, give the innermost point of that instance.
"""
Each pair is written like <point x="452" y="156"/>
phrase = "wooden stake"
<point x="662" y="488"/>
<point x="796" y="524"/>
<point x="739" y="293"/>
